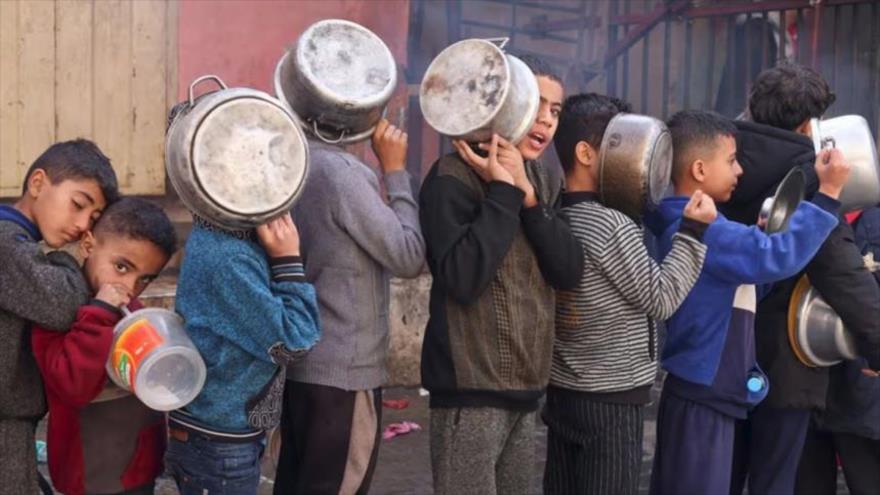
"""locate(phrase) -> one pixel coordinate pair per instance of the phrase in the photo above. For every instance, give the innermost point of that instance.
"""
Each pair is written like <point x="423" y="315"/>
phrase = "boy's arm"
<point x="467" y="238"/>
<point x="838" y="272"/>
<point x="560" y="255"/>
<point x="279" y="315"/>
<point x="388" y="232"/>
<point x="746" y="255"/>
<point x="72" y="363"/>
<point x="46" y="289"/>
<point x="658" y="290"/>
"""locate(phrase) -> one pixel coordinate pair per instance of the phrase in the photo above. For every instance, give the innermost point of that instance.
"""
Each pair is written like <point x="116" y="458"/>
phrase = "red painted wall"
<point x="241" y="40"/>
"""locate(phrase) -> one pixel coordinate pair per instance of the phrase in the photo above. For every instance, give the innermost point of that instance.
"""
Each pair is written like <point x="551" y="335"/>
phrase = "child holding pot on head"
<point x="497" y="249"/>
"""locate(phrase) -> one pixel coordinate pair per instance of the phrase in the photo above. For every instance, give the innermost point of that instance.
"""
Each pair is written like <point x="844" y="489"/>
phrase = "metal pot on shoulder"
<point x="236" y="157"/>
<point x="635" y="164"/>
<point x="473" y="89"/>
<point x="815" y="332"/>
<point x="852" y="136"/>
<point x="337" y="80"/>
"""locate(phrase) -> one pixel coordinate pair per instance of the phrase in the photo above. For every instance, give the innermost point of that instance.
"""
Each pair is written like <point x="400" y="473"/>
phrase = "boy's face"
<point x="532" y="146"/>
<point x="117" y="259"/>
<point x="64" y="211"/>
<point x="721" y="171"/>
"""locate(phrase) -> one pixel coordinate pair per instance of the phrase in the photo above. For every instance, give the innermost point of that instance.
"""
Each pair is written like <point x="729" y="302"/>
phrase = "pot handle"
<point x="204" y="78"/>
<point x="326" y="139"/>
<point x="501" y="42"/>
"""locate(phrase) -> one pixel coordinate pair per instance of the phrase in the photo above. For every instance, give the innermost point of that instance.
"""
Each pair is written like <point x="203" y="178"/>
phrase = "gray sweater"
<point x="46" y="289"/>
<point x="352" y="243"/>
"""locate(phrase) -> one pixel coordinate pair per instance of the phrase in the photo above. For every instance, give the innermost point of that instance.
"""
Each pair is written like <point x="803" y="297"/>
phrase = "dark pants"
<point x="859" y="457"/>
<point x="592" y="447"/>
<point x="694" y="449"/>
<point x="767" y="450"/>
<point x="329" y="440"/>
<point x="201" y="465"/>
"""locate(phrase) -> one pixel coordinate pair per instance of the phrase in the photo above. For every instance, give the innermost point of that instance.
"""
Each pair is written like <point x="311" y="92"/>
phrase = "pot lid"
<point x="778" y="210"/>
<point x="249" y="156"/>
<point x="816" y="333"/>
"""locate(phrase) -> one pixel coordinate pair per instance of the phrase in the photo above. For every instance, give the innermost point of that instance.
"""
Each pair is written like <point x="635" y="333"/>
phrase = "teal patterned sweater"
<point x="249" y="316"/>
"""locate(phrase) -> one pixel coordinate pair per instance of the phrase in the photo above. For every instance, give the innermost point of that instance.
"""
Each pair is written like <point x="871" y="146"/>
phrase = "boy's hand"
<point x="389" y="145"/>
<point x="701" y="208"/>
<point x="487" y="168"/>
<point x="511" y="159"/>
<point x="116" y="295"/>
<point x="279" y="237"/>
<point x="833" y="171"/>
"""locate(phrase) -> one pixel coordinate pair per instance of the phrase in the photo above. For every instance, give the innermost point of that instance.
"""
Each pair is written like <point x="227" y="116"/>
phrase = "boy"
<point x="249" y="311"/>
<point x="355" y="242"/>
<point x="775" y="140"/>
<point x="64" y="191"/>
<point x="603" y="354"/>
<point x="102" y="439"/>
<point x="709" y="353"/>
<point x="496" y="249"/>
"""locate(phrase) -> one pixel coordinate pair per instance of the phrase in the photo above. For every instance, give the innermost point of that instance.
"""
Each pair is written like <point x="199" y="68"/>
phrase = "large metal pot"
<point x="851" y="135"/>
<point x="816" y="334"/>
<point x="778" y="209"/>
<point x="472" y="89"/>
<point x="337" y="80"/>
<point x="236" y="156"/>
<point x="635" y="163"/>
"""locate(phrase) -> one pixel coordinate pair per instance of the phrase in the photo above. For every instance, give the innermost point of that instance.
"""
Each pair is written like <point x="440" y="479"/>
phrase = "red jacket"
<point x="100" y="440"/>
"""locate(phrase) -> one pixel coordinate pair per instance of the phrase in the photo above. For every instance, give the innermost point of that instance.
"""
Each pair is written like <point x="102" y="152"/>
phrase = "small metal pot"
<point x="236" y="157"/>
<point x="337" y="80"/>
<point x="635" y="164"/>
<point x="472" y="89"/>
<point x="852" y="135"/>
<point x="776" y="211"/>
<point x="815" y="332"/>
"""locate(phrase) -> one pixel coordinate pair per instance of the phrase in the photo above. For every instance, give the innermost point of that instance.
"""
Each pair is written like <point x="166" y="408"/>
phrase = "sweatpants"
<point x="592" y="447"/>
<point x="859" y="458"/>
<point x="329" y="440"/>
<point x="767" y="449"/>
<point x="18" y="458"/>
<point x="482" y="451"/>
<point x="694" y="448"/>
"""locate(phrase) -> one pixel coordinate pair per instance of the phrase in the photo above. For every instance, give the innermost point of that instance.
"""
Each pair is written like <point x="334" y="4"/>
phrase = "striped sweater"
<point x="604" y="329"/>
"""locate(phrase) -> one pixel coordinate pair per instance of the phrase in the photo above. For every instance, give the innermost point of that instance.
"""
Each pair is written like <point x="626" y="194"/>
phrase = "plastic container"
<point x="153" y="357"/>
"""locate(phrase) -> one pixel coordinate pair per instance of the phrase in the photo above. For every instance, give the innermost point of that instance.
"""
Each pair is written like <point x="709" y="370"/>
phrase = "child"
<point x="101" y="439"/>
<point x="781" y="103"/>
<point x="354" y="242"/>
<point x="64" y="191"/>
<point x="496" y="249"/>
<point x="604" y="353"/>
<point x="249" y="311"/>
<point x="709" y="352"/>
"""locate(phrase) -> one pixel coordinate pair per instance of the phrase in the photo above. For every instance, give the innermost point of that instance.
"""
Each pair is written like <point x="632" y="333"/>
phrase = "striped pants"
<point x="592" y="447"/>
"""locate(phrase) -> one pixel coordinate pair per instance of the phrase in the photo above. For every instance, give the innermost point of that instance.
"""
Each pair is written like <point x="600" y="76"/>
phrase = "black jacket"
<point x="766" y="154"/>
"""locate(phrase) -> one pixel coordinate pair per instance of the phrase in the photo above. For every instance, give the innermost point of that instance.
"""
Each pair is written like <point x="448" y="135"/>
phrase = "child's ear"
<point x="804" y="129"/>
<point x="87" y="244"/>
<point x="586" y="154"/>
<point x="36" y="182"/>
<point x="698" y="171"/>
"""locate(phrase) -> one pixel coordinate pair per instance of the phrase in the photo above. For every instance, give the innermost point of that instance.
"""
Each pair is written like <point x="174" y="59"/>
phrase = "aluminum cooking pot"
<point x="337" y="80"/>
<point x="236" y="157"/>
<point x="472" y="89"/>
<point x="816" y="334"/>
<point x="635" y="163"/>
<point x="851" y="135"/>
<point x="777" y="210"/>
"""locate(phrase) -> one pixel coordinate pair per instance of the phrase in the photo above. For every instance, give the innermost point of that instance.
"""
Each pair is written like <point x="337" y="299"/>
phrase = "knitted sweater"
<point x="246" y="314"/>
<point x="353" y="242"/>
<point x="46" y="289"/>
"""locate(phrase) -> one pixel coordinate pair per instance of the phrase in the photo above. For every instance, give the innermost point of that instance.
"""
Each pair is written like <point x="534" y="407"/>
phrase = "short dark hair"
<point x="693" y="129"/>
<point x="540" y="68"/>
<point x="77" y="159"/>
<point x="584" y="117"/>
<point x="139" y="219"/>
<point x="787" y="95"/>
